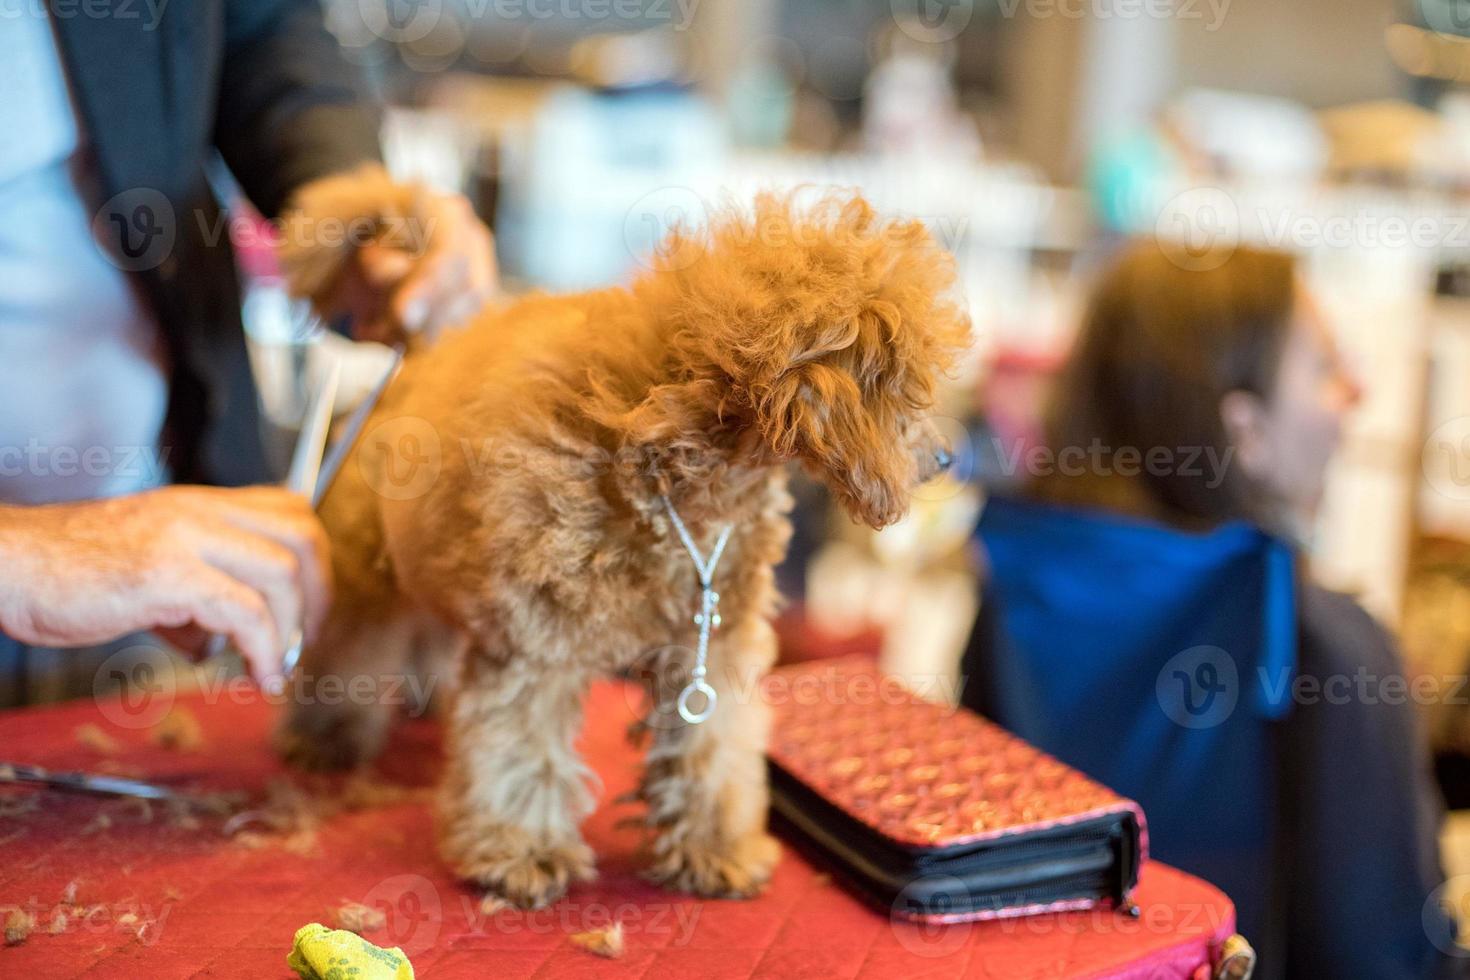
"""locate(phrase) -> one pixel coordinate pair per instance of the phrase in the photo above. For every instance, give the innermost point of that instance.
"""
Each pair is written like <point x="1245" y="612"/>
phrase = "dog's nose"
<point x="943" y="458"/>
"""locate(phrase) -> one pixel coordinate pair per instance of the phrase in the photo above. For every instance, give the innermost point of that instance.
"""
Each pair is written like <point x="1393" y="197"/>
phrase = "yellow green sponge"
<point x="319" y="953"/>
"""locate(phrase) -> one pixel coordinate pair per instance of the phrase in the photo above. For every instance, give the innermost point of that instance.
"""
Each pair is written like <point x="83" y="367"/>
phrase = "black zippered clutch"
<point x="933" y="812"/>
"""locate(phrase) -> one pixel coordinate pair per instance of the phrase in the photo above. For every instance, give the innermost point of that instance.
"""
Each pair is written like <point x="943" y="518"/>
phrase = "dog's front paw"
<point x="740" y="870"/>
<point x="528" y="874"/>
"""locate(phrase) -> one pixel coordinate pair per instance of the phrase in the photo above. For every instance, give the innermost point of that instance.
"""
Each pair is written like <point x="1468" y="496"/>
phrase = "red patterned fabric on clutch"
<point x="935" y="812"/>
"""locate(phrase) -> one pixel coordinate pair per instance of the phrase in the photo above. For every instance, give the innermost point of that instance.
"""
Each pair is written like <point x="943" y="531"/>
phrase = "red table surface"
<point x="209" y="906"/>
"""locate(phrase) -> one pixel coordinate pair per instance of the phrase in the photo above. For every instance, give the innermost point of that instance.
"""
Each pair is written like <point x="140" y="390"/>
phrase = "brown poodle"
<point x="510" y="492"/>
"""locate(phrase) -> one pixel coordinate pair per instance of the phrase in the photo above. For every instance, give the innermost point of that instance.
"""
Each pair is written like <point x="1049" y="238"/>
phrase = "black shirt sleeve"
<point x="291" y="108"/>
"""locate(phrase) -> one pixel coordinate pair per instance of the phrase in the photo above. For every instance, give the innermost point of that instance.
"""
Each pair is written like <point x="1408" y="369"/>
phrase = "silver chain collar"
<point x="707" y="618"/>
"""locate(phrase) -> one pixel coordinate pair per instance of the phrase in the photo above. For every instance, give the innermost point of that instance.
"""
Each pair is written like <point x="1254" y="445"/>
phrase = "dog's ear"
<point x="815" y="413"/>
<point x="822" y="328"/>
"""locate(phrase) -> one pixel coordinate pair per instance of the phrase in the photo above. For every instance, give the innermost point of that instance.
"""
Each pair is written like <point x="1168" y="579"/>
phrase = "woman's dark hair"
<point x="1159" y="348"/>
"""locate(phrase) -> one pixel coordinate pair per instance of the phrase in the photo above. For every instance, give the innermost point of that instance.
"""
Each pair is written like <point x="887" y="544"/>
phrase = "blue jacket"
<point x="1164" y="663"/>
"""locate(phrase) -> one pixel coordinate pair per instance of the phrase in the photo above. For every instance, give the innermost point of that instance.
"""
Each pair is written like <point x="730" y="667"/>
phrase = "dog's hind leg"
<point x="515" y="791"/>
<point x="347" y="687"/>
<point x="705" y="784"/>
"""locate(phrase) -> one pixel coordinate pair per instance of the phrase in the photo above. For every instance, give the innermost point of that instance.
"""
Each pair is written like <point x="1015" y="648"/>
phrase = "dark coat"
<point x="265" y="85"/>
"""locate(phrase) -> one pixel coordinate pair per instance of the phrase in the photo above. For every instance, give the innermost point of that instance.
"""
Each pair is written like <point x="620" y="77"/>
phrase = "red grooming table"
<point x="159" y="899"/>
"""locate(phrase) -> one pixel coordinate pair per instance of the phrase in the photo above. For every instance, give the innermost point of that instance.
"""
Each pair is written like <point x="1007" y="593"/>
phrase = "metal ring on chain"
<point x="700" y="686"/>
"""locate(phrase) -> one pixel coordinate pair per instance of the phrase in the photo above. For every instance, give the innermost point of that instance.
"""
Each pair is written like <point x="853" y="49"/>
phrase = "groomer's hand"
<point x="186" y="561"/>
<point x="416" y="260"/>
<point x="441" y="282"/>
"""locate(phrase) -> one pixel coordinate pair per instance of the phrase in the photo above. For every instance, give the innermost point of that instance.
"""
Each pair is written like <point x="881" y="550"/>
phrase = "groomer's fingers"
<point x="431" y="281"/>
<point x="453" y="313"/>
<point x="286" y="519"/>
<point x="464" y="285"/>
<point x="384" y="266"/>
<point x="276" y="515"/>
<point x="271" y="569"/>
<point x="484" y="271"/>
<point x="457" y="258"/>
<point x="451" y="302"/>
<point x="208" y="598"/>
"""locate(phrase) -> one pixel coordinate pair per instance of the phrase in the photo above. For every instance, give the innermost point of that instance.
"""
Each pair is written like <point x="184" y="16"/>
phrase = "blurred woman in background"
<point x="1147" y="618"/>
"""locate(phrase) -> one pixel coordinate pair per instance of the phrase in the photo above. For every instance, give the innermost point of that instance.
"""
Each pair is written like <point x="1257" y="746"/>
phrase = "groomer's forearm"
<point x="18" y="573"/>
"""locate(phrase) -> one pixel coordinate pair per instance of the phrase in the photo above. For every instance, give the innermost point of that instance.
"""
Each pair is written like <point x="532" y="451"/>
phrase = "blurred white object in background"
<point x="434" y="148"/>
<point x="910" y="106"/>
<point x="601" y="179"/>
<point x="1248" y="135"/>
<point x="1446" y="154"/>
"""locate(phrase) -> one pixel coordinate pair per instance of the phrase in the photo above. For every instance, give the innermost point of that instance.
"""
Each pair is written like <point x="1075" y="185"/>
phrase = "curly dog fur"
<point x="548" y="431"/>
